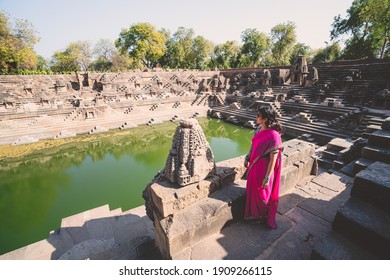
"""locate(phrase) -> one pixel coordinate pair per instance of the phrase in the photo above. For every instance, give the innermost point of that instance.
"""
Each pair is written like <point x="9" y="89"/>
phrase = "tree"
<point x="179" y="48"/>
<point x="283" y="39"/>
<point x="17" y="40"/>
<point x="104" y="48"/>
<point x="201" y="50"/>
<point x="43" y="64"/>
<point x="330" y="53"/>
<point x="301" y="49"/>
<point x="255" y="45"/>
<point x="226" y="55"/>
<point x="77" y="56"/>
<point x="64" y="61"/>
<point x="142" y="42"/>
<point x="368" y="26"/>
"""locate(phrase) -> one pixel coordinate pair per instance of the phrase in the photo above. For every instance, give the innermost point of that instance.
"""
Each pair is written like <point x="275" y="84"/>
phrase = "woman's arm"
<point x="271" y="165"/>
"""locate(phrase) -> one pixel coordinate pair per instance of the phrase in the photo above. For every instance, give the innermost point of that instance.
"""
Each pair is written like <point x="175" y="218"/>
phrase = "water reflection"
<point x="38" y="190"/>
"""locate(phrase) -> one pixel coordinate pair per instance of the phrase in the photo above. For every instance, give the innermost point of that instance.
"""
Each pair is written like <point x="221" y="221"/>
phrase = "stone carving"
<point x="267" y="77"/>
<point x="300" y="70"/>
<point x="190" y="159"/>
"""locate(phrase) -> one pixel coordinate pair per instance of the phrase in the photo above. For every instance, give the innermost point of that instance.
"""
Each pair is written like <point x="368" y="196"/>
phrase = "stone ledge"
<point x="365" y="225"/>
<point x="373" y="185"/>
<point x="380" y="138"/>
<point x="168" y="198"/>
<point x="335" y="247"/>
<point x="204" y="218"/>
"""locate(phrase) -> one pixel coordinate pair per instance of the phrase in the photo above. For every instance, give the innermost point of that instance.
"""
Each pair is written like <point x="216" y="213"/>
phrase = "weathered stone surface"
<point x="380" y="138"/>
<point x="305" y="166"/>
<point x="338" y="144"/>
<point x="373" y="185"/>
<point x="289" y="178"/>
<point x="291" y="246"/>
<point x="364" y="225"/>
<point x="323" y="204"/>
<point x="361" y="164"/>
<point x="190" y="159"/>
<point x="376" y="153"/>
<point x="169" y="199"/>
<point x="335" y="247"/>
<point x="386" y="124"/>
<point x="295" y="150"/>
<point x="308" y="225"/>
<point x="237" y="241"/>
<point x="90" y="249"/>
<point x="194" y="223"/>
<point x="290" y="200"/>
<point x="335" y="182"/>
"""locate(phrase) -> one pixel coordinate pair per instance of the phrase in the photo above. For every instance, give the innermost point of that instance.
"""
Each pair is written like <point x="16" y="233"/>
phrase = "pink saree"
<point x="262" y="203"/>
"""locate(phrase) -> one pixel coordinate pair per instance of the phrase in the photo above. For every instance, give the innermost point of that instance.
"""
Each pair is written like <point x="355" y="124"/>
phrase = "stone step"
<point x="371" y="128"/>
<point x="336" y="247"/>
<point x="380" y="138"/>
<point x="118" y="236"/>
<point x="348" y="169"/>
<point x="386" y="124"/>
<point x="364" y="225"/>
<point x="373" y="185"/>
<point x="80" y="218"/>
<point x="338" y="164"/>
<point x="338" y="144"/>
<point x="361" y="164"/>
<point x="325" y="162"/>
<point x="376" y="153"/>
<point x="329" y="154"/>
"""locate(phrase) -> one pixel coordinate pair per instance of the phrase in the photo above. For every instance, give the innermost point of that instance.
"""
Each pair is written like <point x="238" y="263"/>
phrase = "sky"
<point x="60" y="22"/>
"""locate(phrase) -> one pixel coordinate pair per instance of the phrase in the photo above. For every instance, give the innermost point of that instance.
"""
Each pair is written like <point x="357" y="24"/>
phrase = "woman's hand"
<point x="265" y="182"/>
<point x="246" y="163"/>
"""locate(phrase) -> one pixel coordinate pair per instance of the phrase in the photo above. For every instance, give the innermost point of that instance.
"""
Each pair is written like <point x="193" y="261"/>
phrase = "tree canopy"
<point x="142" y="41"/>
<point x="365" y="28"/>
<point x="255" y="45"/>
<point x="77" y="56"/>
<point x="17" y="40"/>
<point x="284" y="39"/>
<point x="368" y="26"/>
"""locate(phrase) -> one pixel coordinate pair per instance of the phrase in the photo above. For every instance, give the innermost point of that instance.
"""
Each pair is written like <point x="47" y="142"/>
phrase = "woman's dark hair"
<point x="267" y="112"/>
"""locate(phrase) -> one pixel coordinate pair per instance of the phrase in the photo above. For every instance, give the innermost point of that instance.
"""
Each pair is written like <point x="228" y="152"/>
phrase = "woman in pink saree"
<point x="263" y="174"/>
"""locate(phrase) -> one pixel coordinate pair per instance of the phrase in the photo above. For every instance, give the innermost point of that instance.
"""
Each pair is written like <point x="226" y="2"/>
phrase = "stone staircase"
<point x="96" y="234"/>
<point x="332" y="152"/>
<point x="361" y="227"/>
<point x="321" y="133"/>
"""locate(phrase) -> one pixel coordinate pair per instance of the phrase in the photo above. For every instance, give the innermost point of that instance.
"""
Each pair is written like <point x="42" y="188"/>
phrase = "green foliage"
<point x="77" y="56"/>
<point x="283" y="42"/>
<point x="142" y="42"/>
<point x="16" y="45"/>
<point x="179" y="48"/>
<point x="201" y="50"/>
<point x="101" y="65"/>
<point x="301" y="49"/>
<point x="42" y="64"/>
<point x="226" y="55"/>
<point x="255" y="46"/>
<point x="368" y="26"/>
<point x="328" y="54"/>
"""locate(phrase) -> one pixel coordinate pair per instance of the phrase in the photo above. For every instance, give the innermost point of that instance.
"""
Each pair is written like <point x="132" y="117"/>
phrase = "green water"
<point x="38" y="190"/>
